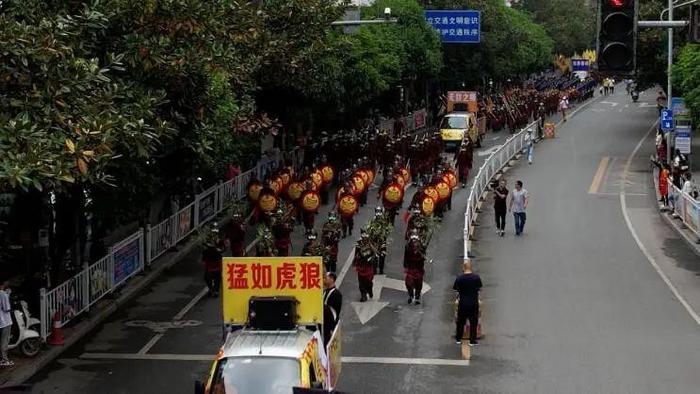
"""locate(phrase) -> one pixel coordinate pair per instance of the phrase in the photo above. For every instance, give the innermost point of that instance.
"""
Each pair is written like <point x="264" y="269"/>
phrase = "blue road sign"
<point x="667" y="120"/>
<point x="456" y="26"/>
<point x="580" y="64"/>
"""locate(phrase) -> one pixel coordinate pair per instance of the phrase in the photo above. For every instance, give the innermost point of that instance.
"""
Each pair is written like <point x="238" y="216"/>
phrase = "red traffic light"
<point x="617" y="3"/>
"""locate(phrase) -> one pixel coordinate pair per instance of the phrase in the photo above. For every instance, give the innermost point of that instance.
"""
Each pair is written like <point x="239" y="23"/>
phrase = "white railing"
<point x="687" y="209"/>
<point x="130" y="256"/>
<point x="75" y="296"/>
<point x="493" y="164"/>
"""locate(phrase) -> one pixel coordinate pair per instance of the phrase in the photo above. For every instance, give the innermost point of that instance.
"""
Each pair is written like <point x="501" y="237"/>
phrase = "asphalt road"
<point x="573" y="306"/>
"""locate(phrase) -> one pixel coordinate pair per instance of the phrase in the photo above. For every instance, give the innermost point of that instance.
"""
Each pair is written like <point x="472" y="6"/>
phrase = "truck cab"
<point x="455" y="125"/>
<point x="273" y="362"/>
<point x="460" y="120"/>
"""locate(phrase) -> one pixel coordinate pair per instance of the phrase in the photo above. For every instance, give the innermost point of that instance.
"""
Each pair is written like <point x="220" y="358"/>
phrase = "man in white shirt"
<point x="5" y="323"/>
<point x="518" y="203"/>
<point x="688" y="184"/>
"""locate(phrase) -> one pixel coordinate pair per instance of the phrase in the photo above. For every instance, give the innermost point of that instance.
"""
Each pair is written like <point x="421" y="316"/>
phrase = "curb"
<point x="693" y="243"/>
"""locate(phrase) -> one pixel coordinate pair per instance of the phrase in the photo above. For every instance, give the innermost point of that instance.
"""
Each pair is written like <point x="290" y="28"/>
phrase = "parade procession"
<point x="349" y="197"/>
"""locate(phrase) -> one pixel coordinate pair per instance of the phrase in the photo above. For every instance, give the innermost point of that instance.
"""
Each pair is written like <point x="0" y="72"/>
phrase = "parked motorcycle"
<point x="24" y="333"/>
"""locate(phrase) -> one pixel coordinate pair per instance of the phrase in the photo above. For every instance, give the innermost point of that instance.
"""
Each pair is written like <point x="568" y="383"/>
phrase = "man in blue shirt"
<point x="467" y="285"/>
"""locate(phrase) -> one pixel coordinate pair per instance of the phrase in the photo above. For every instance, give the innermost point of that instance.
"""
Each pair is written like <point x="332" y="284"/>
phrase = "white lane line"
<point x="652" y="261"/>
<point x="346" y="268"/>
<point x="207" y="357"/>
<point x="178" y="316"/>
<point x="405" y="361"/>
<point x="151" y="343"/>
<point x="191" y="304"/>
<point x="139" y="356"/>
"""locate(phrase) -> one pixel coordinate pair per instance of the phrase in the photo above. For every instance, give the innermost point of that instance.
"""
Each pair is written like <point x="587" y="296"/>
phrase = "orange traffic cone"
<point x="56" y="338"/>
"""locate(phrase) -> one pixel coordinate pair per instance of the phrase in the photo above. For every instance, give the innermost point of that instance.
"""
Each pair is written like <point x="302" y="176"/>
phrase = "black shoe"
<point x="417" y="301"/>
<point x="371" y="295"/>
<point x="381" y="271"/>
<point x="363" y="298"/>
<point x="473" y="343"/>
<point x="410" y="300"/>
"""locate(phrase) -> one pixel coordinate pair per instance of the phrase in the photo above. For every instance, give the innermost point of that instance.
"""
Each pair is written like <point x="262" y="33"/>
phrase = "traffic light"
<point x="617" y="36"/>
<point x="694" y="34"/>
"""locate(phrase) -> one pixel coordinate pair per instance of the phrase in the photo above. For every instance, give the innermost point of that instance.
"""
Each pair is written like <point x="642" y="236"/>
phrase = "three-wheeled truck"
<point x="460" y="120"/>
<point x="273" y="324"/>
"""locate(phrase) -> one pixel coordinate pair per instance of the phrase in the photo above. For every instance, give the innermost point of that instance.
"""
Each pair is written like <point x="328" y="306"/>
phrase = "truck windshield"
<point x="242" y="375"/>
<point x="454" y="122"/>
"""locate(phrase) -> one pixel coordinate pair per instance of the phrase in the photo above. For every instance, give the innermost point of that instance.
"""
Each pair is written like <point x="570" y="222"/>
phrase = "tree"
<point x="511" y="43"/>
<point x="570" y="23"/>
<point x="686" y="77"/>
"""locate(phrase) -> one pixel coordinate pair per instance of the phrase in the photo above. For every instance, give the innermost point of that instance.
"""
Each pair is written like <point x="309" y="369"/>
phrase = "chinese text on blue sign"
<point x="667" y="120"/>
<point x="456" y="26"/>
<point x="580" y="64"/>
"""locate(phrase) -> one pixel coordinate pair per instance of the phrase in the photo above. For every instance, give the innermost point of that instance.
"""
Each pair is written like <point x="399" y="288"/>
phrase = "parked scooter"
<point x="635" y="95"/>
<point x="24" y="333"/>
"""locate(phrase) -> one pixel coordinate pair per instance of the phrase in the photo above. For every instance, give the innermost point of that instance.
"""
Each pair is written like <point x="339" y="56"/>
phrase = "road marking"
<point x="177" y="317"/>
<point x="152" y="342"/>
<point x="652" y="261"/>
<point x="208" y="357"/>
<point x="140" y="356"/>
<point x="191" y="304"/>
<point x="599" y="174"/>
<point x="405" y="361"/>
<point x="367" y="310"/>
<point x="609" y="103"/>
<point x="346" y="268"/>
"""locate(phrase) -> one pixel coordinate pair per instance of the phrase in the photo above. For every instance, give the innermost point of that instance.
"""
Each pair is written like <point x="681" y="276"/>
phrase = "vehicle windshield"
<point x="454" y="122"/>
<point x="243" y="375"/>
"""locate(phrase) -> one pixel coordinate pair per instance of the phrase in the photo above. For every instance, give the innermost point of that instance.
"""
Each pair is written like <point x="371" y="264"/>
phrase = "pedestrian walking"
<point x="563" y="106"/>
<point x="500" y="195"/>
<point x="530" y="145"/>
<point x="5" y="323"/>
<point x="332" y="304"/>
<point x="467" y="285"/>
<point x="518" y="204"/>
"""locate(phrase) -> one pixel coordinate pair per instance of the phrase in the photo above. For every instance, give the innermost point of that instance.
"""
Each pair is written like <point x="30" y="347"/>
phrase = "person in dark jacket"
<point x="467" y="285"/>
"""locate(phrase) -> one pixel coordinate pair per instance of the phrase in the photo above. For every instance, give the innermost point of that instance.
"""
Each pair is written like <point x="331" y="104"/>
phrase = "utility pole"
<point x="669" y="91"/>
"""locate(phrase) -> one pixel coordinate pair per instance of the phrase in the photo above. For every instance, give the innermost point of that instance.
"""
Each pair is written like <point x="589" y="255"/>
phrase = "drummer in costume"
<point x="364" y="265"/>
<point x="309" y="203"/>
<point x="330" y="236"/>
<point x="465" y="160"/>
<point x="414" y="267"/>
<point x="282" y="231"/>
<point x="347" y="206"/>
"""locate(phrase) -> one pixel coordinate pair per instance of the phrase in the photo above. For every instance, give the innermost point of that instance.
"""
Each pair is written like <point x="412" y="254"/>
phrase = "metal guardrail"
<point x="493" y="164"/>
<point x="131" y="255"/>
<point x="687" y="209"/>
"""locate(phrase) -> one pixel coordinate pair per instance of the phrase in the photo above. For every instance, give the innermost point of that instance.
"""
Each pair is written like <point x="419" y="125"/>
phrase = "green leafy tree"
<point x="511" y="43"/>
<point x="686" y="78"/>
<point x="570" y="23"/>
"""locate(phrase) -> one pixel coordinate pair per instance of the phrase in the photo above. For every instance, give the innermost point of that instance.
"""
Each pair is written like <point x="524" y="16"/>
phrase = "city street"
<point x="598" y="296"/>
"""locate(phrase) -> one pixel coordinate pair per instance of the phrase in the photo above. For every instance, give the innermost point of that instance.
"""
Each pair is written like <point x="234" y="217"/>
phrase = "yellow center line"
<point x="599" y="174"/>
